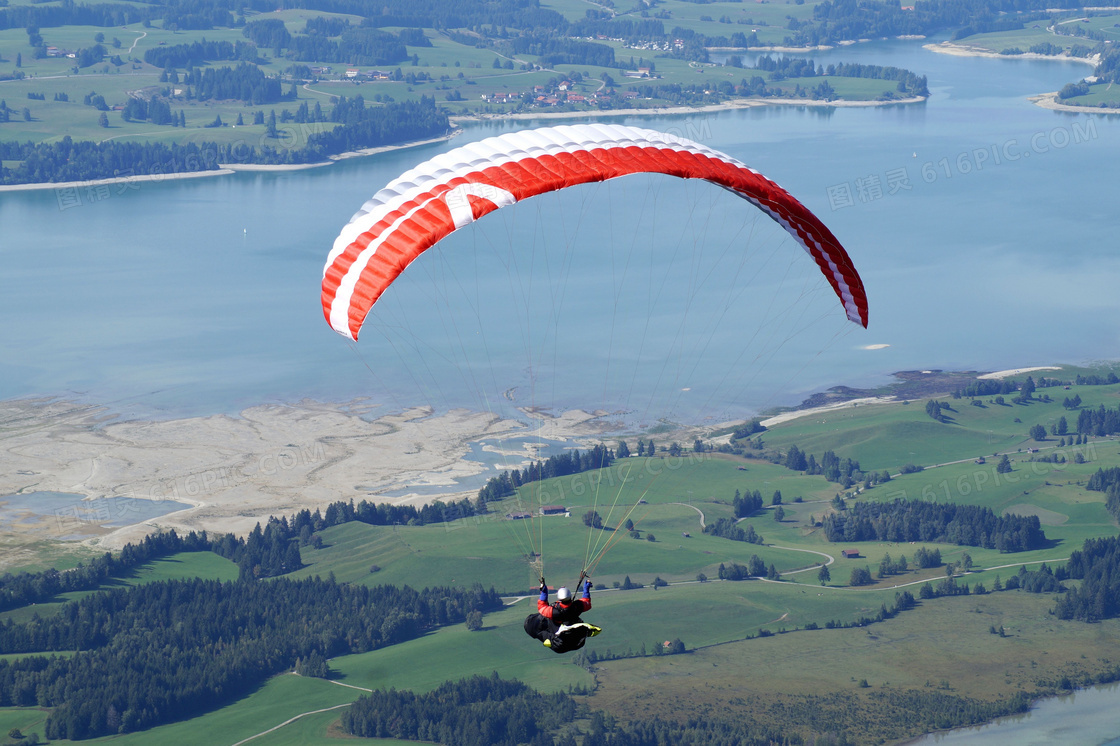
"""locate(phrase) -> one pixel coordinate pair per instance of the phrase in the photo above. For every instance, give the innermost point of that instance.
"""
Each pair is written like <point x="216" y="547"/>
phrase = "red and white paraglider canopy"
<point x="422" y="206"/>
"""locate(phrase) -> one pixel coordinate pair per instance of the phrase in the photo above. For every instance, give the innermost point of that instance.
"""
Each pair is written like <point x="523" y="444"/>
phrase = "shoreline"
<point x="150" y="178"/>
<point x="1050" y="101"/>
<point x="225" y="169"/>
<point x="964" y="50"/>
<point x="277" y="459"/>
<point x="736" y="104"/>
<point x="1043" y="100"/>
<point x="797" y="414"/>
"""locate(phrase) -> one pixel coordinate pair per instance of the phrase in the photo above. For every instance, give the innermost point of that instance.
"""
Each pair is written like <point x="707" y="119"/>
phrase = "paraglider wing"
<point x="422" y="206"/>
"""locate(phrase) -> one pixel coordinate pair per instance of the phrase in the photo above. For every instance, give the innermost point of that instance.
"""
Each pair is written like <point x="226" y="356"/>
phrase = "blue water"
<point x="1086" y="718"/>
<point x="69" y="515"/>
<point x="494" y="462"/>
<point x="649" y="298"/>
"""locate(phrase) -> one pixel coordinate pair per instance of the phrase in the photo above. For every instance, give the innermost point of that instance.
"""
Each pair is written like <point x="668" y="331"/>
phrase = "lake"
<point x="1085" y="718"/>
<point x="980" y="223"/>
<point x="69" y="516"/>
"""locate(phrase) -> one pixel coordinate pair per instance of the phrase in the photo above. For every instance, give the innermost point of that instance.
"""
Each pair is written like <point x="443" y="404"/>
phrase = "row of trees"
<point x="728" y="528"/>
<point x="839" y="20"/>
<point x="755" y="568"/>
<point x="1097" y="596"/>
<point x="560" y="465"/>
<point x="479" y="711"/>
<point x="105" y="15"/>
<point x="845" y="471"/>
<point x="1108" y="482"/>
<point x="67" y="160"/>
<point x="920" y="520"/>
<point x="1099" y="422"/>
<point x="199" y="53"/>
<point x="169" y="650"/>
<point x="267" y="551"/>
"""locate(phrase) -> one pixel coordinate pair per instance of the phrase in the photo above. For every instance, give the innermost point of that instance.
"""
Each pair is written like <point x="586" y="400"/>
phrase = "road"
<point x="294" y="718"/>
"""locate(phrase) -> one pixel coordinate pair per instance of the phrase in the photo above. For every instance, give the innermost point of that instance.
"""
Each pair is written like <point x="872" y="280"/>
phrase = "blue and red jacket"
<point x="561" y="613"/>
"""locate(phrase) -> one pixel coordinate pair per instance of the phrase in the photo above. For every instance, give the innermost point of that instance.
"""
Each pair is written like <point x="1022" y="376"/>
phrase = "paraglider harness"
<point x="558" y="626"/>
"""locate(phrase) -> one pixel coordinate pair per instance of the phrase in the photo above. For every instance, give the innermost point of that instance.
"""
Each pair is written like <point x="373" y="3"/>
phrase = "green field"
<point x="185" y="565"/>
<point x="1038" y="32"/>
<point x="25" y="719"/>
<point x="942" y="649"/>
<point x="492" y="549"/>
<point x="1022" y="39"/>
<point x="944" y="646"/>
<point x="48" y="120"/>
<point x="811" y="678"/>
<point x="1100" y="94"/>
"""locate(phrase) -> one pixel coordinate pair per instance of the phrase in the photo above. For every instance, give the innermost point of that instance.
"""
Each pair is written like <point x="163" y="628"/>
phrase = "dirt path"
<point x="137" y="39"/>
<point x="831" y="559"/>
<point x="291" y="720"/>
<point x="702" y="526"/>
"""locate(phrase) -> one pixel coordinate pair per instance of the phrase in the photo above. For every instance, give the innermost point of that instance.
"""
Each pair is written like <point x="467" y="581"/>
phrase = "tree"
<point x="772" y="572"/>
<point x="824" y="575"/>
<point x="701" y="577"/>
<point x="103" y="120"/>
<point x="779" y="513"/>
<point x="777" y="498"/>
<point x="474" y="620"/>
<point x="19" y="60"/>
<point x="1063" y="426"/>
<point x="756" y="567"/>
<point x="1004" y="465"/>
<point x="592" y="519"/>
<point x="650" y="537"/>
<point x="1038" y="432"/>
<point x="861" y="576"/>
<point x="628" y="525"/>
<point x="623" y="450"/>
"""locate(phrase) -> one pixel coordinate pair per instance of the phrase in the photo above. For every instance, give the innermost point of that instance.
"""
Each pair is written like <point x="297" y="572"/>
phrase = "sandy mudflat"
<point x="152" y="179"/>
<point x="747" y="103"/>
<point x="964" y="50"/>
<point x="1050" y="101"/>
<point x="269" y="460"/>
<point x="799" y="413"/>
<point x="224" y="169"/>
<point x="1017" y="371"/>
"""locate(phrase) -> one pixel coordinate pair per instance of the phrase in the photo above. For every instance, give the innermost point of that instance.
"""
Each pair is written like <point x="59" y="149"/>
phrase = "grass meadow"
<point x="444" y="61"/>
<point x="945" y="646"/>
<point x="183" y="565"/>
